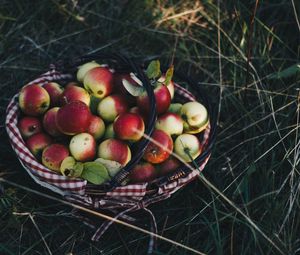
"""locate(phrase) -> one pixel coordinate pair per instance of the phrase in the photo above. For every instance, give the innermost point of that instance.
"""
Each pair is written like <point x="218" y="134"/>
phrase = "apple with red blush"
<point x="83" y="147"/>
<point x="171" y="123"/>
<point x="159" y="148"/>
<point x="49" y="122"/>
<point x="29" y="126"/>
<point x="115" y="150"/>
<point x="54" y="90"/>
<point x="168" y="166"/>
<point x="75" y="93"/>
<point x="162" y="99"/>
<point x="99" y="82"/>
<point x="170" y="85"/>
<point x="83" y="69"/>
<point x="96" y="127"/>
<point x="129" y="126"/>
<point x="37" y="142"/>
<point x="34" y="100"/>
<point x="73" y="118"/>
<point x="53" y="155"/>
<point x="142" y="172"/>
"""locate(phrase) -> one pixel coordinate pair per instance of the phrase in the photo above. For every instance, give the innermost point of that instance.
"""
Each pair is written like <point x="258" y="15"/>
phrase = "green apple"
<point x="194" y="115"/>
<point x="187" y="147"/>
<point x="175" y="108"/>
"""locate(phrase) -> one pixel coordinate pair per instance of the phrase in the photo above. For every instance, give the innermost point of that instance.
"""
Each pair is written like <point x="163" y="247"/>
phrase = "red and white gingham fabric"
<point x="121" y="200"/>
<point x="70" y="186"/>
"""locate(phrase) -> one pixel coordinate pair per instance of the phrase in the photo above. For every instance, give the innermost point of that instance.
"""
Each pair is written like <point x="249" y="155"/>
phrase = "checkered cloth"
<point x="121" y="200"/>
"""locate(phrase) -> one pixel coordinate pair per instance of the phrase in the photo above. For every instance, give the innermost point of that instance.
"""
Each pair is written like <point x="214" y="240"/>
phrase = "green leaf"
<point x="169" y="75"/>
<point x="113" y="167"/>
<point x="290" y="71"/>
<point x="95" y="172"/>
<point x="175" y="108"/>
<point x="78" y="168"/>
<point x="132" y="89"/>
<point x="153" y="69"/>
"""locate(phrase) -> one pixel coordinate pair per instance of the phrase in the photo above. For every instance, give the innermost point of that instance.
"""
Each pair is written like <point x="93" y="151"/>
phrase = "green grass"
<point x="255" y="159"/>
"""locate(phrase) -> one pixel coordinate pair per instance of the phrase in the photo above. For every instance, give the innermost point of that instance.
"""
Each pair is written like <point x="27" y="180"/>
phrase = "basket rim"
<point x="163" y="180"/>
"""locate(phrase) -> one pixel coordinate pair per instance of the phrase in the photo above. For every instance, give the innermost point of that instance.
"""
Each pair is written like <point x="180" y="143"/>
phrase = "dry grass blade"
<point x="37" y="228"/>
<point x="218" y="192"/>
<point x="101" y="215"/>
<point x="220" y="62"/>
<point x="296" y="15"/>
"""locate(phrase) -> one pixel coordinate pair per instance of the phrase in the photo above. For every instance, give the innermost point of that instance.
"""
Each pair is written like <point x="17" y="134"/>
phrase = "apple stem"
<point x="65" y="99"/>
<point x="184" y="117"/>
<point x="153" y="82"/>
<point x="31" y="129"/>
<point x="67" y="172"/>
<point x="187" y="151"/>
<point x="44" y="105"/>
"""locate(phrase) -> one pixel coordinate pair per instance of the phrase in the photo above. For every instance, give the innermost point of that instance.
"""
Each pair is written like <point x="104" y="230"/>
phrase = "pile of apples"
<point x="87" y="128"/>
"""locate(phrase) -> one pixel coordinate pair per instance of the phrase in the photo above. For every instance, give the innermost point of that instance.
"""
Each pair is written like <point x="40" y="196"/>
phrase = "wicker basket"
<point x="114" y="197"/>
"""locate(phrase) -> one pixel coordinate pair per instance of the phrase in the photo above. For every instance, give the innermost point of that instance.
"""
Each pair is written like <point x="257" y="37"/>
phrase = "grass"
<point x="251" y="59"/>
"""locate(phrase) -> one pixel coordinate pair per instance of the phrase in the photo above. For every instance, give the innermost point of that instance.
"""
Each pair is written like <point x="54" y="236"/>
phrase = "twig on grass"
<point x="220" y="64"/>
<point x="36" y="226"/>
<point x="101" y="215"/>
<point x="212" y="187"/>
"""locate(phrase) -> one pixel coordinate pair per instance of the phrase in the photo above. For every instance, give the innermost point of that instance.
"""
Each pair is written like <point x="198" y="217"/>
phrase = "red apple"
<point x="53" y="155"/>
<point x="73" y="118"/>
<point x="96" y="127"/>
<point x="75" y="93"/>
<point x="49" y="122"/>
<point x="111" y="106"/>
<point x="162" y="99"/>
<point x="37" y="142"/>
<point x="129" y="126"/>
<point x="170" y="86"/>
<point x="171" y="123"/>
<point x="54" y="90"/>
<point x="115" y="150"/>
<point x="34" y="100"/>
<point x="29" y="126"/>
<point x="160" y="147"/>
<point x="142" y="172"/>
<point x="82" y="70"/>
<point x="169" y="166"/>
<point x="83" y="147"/>
<point x="99" y="81"/>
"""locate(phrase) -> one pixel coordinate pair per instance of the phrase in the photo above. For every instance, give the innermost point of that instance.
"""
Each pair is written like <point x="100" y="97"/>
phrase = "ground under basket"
<point x="118" y="199"/>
